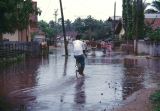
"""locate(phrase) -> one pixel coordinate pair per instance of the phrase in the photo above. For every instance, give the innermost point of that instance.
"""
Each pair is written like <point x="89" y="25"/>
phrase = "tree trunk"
<point x="27" y="39"/>
<point x="1" y="36"/>
<point x="21" y="35"/>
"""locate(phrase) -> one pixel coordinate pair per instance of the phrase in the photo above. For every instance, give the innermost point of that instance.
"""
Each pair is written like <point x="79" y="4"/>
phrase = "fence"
<point x="13" y="49"/>
<point x="148" y="48"/>
<point x="144" y="48"/>
<point x="127" y="47"/>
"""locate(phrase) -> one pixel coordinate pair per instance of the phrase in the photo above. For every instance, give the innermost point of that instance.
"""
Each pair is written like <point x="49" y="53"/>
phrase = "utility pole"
<point x="55" y="14"/>
<point x="114" y="23"/>
<point x="64" y="31"/>
<point x="138" y="8"/>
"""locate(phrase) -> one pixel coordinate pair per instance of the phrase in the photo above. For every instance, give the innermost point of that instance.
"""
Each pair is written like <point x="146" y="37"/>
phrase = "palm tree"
<point x="154" y="7"/>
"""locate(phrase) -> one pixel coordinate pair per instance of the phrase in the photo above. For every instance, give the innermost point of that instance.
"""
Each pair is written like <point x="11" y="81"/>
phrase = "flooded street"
<point x="50" y="84"/>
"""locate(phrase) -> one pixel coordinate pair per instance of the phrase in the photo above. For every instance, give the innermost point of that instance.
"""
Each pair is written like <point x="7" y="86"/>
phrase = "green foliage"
<point x="7" y="16"/>
<point x="133" y="18"/>
<point x="68" y="25"/>
<point x="14" y="14"/>
<point x="79" y="25"/>
<point x="155" y="98"/>
<point x="88" y="27"/>
<point x="154" y="34"/>
<point x="128" y="18"/>
<point x="154" y="7"/>
<point x="4" y="62"/>
<point x="92" y="28"/>
<point x="48" y="29"/>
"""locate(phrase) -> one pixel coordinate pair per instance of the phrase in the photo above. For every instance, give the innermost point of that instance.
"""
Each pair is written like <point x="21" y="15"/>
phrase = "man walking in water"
<point x="79" y="52"/>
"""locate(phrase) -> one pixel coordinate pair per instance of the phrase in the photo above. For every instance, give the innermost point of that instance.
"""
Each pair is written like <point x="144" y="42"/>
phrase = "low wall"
<point x="148" y="48"/>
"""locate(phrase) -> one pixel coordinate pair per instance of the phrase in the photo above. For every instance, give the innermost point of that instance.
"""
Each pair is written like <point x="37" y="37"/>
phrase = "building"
<point x="119" y="30"/>
<point x="26" y="34"/>
<point x="152" y="20"/>
<point x="117" y="26"/>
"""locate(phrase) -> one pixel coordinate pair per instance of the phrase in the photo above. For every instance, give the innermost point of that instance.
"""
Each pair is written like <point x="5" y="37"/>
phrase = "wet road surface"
<point x="49" y="83"/>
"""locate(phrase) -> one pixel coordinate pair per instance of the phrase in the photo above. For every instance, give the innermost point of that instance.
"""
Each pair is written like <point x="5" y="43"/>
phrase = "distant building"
<point x="119" y="30"/>
<point x="26" y="34"/>
<point x="117" y="26"/>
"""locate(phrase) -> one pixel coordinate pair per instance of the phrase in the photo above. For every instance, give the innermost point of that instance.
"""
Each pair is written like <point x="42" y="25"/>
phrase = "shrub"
<point x="155" y="99"/>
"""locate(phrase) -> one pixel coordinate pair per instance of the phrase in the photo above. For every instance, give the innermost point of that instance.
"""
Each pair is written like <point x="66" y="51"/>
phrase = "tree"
<point x="79" y="25"/>
<point x="133" y="19"/>
<point x="124" y="15"/>
<point x="48" y="29"/>
<point x="68" y="25"/>
<point x="7" y="16"/>
<point x="127" y="18"/>
<point x="14" y="14"/>
<point x="91" y="28"/>
<point x="154" y="7"/>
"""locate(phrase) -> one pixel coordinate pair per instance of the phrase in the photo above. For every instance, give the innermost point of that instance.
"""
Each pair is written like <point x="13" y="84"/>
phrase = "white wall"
<point x="11" y="37"/>
<point x="148" y="48"/>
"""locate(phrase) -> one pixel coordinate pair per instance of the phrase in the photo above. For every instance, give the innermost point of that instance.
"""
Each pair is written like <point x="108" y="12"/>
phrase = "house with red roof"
<point x="153" y="20"/>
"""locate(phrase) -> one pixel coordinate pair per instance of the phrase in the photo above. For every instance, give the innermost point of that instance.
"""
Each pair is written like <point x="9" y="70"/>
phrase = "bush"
<point x="155" y="99"/>
<point x="154" y="35"/>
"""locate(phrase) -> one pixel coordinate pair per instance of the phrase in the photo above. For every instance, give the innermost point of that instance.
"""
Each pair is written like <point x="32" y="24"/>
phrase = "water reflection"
<point x="80" y="97"/>
<point x="133" y="77"/>
<point x="17" y="77"/>
<point x="152" y="72"/>
<point x="65" y="66"/>
<point x="102" y="60"/>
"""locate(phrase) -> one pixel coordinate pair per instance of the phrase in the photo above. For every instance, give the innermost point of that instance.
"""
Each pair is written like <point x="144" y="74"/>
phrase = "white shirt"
<point x="78" y="47"/>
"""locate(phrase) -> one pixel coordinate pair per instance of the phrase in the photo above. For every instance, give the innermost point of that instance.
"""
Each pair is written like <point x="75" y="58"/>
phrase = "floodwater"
<point x="49" y="83"/>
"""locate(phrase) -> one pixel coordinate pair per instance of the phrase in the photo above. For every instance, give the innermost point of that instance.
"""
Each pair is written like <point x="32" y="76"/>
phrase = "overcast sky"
<point x="99" y="9"/>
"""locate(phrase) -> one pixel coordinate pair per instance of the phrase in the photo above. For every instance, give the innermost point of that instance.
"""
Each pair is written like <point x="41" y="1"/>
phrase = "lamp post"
<point x="64" y="31"/>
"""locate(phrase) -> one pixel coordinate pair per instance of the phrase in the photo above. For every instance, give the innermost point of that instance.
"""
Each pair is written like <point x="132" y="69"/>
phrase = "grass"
<point x="4" y="62"/>
<point x="4" y="105"/>
<point x="155" y="99"/>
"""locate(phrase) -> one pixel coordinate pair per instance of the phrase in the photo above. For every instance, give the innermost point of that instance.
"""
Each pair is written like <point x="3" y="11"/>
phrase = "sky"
<point x="98" y="9"/>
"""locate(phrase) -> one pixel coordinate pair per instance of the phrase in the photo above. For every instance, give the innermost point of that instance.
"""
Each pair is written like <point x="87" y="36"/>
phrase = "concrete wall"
<point x="18" y="36"/>
<point x="148" y="48"/>
<point x="11" y="37"/>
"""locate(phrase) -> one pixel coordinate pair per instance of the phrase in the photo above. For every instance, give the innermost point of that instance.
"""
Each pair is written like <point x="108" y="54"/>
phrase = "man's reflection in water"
<point x="80" y="96"/>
